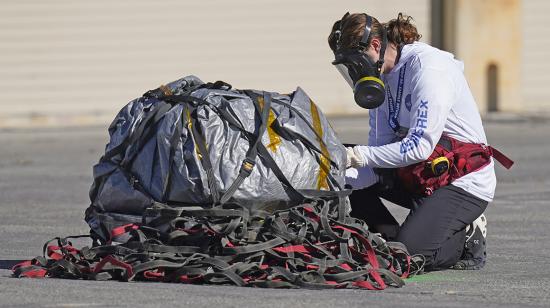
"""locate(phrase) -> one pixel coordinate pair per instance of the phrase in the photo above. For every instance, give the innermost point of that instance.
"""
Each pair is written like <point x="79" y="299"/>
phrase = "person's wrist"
<point x="354" y="158"/>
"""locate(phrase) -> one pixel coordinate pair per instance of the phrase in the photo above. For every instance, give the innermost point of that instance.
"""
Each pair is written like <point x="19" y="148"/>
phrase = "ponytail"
<point x="401" y="31"/>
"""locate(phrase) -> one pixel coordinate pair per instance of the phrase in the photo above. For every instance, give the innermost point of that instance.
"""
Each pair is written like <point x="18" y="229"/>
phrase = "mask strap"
<point x="368" y="27"/>
<point x="365" y="40"/>
<point x="338" y="32"/>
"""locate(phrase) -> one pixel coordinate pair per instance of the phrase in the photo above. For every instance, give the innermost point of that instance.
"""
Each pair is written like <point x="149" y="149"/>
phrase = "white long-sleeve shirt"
<point x="427" y="95"/>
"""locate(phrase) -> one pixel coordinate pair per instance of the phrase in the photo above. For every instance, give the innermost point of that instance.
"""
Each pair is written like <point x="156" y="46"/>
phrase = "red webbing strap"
<point x="346" y="267"/>
<point x="115" y="262"/>
<point x="29" y="269"/>
<point x="22" y="264"/>
<point x="53" y="251"/>
<point x="504" y="160"/>
<point x="371" y="254"/>
<point x="381" y="284"/>
<point x="157" y="274"/>
<point x="367" y="285"/>
<point x="34" y="273"/>
<point x="123" y="229"/>
<point x="295" y="248"/>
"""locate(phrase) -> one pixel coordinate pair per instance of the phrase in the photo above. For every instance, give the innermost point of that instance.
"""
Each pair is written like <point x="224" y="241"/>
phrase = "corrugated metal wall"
<point x="535" y="77"/>
<point x="70" y="57"/>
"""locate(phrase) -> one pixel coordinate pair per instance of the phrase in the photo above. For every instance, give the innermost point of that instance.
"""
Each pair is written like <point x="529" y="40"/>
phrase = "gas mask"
<point x="361" y="73"/>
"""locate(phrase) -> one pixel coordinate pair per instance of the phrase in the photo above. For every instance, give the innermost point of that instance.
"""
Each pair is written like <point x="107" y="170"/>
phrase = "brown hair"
<point x="347" y="32"/>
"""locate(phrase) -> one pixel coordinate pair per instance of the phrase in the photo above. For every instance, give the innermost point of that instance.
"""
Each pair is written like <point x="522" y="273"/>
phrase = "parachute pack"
<point x="202" y="183"/>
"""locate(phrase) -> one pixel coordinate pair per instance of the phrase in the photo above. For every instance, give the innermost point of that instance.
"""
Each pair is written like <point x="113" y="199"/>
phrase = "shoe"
<point x="474" y="255"/>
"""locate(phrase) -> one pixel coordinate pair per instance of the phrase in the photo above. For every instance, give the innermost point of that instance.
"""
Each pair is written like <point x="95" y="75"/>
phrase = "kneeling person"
<point x="427" y="150"/>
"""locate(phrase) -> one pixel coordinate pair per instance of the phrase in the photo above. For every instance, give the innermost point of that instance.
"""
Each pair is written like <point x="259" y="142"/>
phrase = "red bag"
<point x="450" y="160"/>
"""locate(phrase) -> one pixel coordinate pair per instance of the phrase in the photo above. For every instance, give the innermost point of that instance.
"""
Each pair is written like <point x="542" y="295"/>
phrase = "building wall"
<point x="74" y="59"/>
<point x="488" y="33"/>
<point x="534" y="75"/>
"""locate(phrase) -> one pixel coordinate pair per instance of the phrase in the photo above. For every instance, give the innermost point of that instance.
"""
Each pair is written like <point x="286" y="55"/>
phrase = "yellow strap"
<point x="371" y="78"/>
<point x="274" y="138"/>
<point x="189" y="127"/>
<point x="324" y="167"/>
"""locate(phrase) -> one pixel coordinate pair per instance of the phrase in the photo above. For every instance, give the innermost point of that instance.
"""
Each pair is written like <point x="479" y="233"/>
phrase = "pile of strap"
<point x="203" y="183"/>
<point x="313" y="245"/>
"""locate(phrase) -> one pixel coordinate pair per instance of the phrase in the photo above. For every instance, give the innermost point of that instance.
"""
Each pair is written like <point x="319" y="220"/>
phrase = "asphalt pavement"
<point x="45" y="175"/>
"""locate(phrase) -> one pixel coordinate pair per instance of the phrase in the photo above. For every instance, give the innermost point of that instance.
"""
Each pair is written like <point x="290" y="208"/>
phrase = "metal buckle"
<point x="247" y="166"/>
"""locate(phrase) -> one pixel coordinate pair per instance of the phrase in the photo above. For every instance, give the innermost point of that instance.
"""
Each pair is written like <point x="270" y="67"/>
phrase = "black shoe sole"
<point x="469" y="264"/>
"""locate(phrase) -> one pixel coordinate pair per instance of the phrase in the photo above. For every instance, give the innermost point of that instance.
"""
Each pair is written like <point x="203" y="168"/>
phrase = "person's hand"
<point x="354" y="159"/>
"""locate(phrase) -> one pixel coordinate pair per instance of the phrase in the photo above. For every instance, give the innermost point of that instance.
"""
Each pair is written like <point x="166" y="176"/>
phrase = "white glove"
<point x="355" y="159"/>
<point x="359" y="178"/>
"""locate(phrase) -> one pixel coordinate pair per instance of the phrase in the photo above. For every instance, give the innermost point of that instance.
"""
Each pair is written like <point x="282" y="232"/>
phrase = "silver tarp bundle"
<point x="186" y="143"/>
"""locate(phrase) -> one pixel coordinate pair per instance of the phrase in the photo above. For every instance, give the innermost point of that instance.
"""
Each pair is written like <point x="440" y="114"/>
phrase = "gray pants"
<point x="435" y="226"/>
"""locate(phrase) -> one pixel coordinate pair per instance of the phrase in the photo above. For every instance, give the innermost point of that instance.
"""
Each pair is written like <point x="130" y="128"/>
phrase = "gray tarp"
<point x="291" y="139"/>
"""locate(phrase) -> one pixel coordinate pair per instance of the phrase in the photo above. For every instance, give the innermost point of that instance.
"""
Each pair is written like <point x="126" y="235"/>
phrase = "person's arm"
<point x="380" y="133"/>
<point x="432" y="97"/>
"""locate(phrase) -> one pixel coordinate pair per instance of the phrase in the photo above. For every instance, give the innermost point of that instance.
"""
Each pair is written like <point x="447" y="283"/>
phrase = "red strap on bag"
<point x="501" y="158"/>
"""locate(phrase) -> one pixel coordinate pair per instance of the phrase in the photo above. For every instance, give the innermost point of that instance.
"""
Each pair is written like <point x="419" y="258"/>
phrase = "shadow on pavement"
<point x="8" y="264"/>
